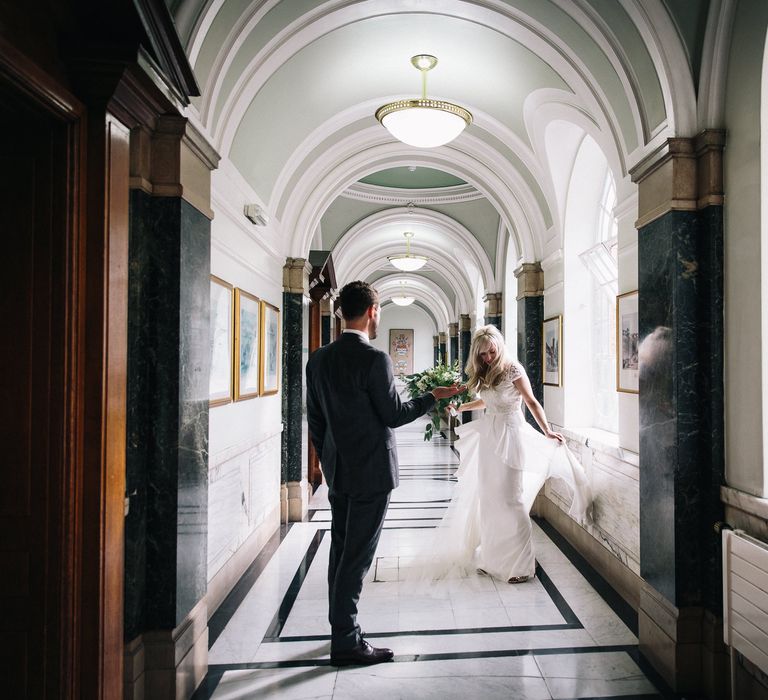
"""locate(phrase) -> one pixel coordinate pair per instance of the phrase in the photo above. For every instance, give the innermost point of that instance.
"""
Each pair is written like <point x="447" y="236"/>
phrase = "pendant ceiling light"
<point x="402" y="299"/>
<point x="424" y="123"/>
<point x="406" y="261"/>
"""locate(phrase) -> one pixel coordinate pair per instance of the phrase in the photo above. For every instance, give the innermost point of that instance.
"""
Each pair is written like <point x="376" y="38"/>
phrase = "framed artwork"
<point x="247" y="346"/>
<point x="552" y="348"/>
<point x="222" y="343"/>
<point x="401" y="350"/>
<point x="627" y="332"/>
<point x="269" y="356"/>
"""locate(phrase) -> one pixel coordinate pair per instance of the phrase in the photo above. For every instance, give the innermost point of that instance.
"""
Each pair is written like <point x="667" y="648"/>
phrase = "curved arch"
<point x="420" y="288"/>
<point x="372" y="263"/>
<point x="362" y="235"/>
<point x="416" y="306"/>
<point x="508" y="21"/>
<point x="370" y="151"/>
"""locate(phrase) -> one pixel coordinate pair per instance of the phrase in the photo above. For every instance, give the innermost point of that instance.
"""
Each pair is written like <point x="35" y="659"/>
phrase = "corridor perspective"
<point x="188" y="185"/>
<point x="551" y="637"/>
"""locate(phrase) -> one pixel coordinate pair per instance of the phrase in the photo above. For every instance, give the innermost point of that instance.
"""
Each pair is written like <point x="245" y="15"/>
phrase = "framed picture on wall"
<point x="247" y="345"/>
<point x="552" y="351"/>
<point x="270" y="350"/>
<point x="222" y="343"/>
<point x="627" y="336"/>
<point x="401" y="350"/>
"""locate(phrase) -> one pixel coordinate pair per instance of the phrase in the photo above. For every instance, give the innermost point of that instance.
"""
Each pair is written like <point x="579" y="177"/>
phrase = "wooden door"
<point x="37" y="597"/>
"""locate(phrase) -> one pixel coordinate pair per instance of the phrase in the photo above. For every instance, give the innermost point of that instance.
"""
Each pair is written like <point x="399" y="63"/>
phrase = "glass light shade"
<point x="402" y="300"/>
<point x="424" y="123"/>
<point x="407" y="262"/>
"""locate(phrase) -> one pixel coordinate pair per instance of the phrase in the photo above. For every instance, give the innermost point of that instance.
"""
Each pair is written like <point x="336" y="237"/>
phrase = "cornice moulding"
<point x="363" y="192"/>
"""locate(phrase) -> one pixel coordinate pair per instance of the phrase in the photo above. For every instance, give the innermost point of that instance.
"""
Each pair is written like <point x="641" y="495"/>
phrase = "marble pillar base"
<point x="299" y="493"/>
<point x="220" y="586"/>
<point x="283" y="503"/>
<point x="168" y="663"/>
<point x="685" y="645"/>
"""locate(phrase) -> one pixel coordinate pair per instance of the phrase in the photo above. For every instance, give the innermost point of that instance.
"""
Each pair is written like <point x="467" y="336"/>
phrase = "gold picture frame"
<point x="627" y="340"/>
<point x="269" y="354"/>
<point x="247" y="369"/>
<point x="552" y="351"/>
<point x="220" y="380"/>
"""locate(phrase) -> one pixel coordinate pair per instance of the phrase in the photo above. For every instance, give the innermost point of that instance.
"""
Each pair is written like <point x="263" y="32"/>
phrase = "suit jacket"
<point x="352" y="408"/>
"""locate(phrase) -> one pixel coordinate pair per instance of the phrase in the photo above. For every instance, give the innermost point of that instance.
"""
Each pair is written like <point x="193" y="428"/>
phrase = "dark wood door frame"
<point x="83" y="642"/>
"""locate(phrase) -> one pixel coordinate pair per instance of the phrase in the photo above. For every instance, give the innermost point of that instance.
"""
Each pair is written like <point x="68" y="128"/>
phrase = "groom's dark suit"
<point x="352" y="408"/>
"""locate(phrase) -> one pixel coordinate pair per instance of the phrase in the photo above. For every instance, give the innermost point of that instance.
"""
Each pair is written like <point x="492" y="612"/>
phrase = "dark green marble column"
<point x="167" y="412"/>
<point x="436" y="349"/>
<point x="295" y="489"/>
<point x="325" y="321"/>
<point x="530" y="316"/>
<point x="680" y="272"/>
<point x="442" y="348"/>
<point x="465" y="341"/>
<point x="453" y="333"/>
<point x="493" y="310"/>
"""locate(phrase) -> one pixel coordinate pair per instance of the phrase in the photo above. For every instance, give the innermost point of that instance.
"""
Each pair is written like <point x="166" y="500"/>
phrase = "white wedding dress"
<point x="504" y="463"/>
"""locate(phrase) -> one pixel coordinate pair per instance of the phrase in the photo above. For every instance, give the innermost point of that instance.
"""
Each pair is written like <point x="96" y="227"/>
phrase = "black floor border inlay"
<point x="623" y="610"/>
<point x="436" y="632"/>
<point x="281" y="616"/>
<point x="441" y="656"/>
<point x="232" y="602"/>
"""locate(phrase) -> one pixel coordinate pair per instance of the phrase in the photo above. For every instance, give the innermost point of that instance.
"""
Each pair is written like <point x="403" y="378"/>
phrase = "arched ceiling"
<point x="289" y="89"/>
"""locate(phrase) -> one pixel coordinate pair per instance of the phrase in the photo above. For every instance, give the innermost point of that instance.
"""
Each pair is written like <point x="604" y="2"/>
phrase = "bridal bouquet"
<point x="440" y="375"/>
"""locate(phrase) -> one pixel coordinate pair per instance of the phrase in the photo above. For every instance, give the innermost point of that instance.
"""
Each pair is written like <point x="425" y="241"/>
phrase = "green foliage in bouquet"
<point x="440" y="375"/>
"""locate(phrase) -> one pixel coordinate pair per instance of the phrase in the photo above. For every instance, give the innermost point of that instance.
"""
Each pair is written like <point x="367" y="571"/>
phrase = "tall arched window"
<point x="590" y="277"/>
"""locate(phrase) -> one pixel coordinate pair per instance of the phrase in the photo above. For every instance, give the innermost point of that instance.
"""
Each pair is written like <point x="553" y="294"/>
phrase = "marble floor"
<point x="564" y="634"/>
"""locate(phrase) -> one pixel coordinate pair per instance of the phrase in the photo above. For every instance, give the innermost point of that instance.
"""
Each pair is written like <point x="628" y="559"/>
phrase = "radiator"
<point x="745" y="598"/>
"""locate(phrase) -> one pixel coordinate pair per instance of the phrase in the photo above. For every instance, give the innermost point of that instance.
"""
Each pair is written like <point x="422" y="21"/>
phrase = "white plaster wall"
<point x="745" y="321"/>
<point x="244" y="438"/>
<point x="393" y="316"/>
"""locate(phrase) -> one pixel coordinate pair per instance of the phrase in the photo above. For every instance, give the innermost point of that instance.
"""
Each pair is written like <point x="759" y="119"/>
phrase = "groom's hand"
<point x="445" y="392"/>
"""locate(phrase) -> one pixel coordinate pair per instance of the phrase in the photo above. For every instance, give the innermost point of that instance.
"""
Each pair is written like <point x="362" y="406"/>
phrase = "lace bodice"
<point x="504" y="398"/>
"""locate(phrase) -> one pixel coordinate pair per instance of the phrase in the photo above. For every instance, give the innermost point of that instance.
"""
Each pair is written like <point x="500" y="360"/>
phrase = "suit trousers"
<point x="356" y="524"/>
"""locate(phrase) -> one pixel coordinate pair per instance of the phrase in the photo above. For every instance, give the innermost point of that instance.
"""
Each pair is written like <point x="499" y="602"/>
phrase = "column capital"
<point x="465" y="322"/>
<point x="172" y="158"/>
<point x="493" y="304"/>
<point x="296" y="273"/>
<point x="453" y="329"/>
<point x="436" y="340"/>
<point x="443" y="337"/>
<point x="530" y="280"/>
<point x="682" y="174"/>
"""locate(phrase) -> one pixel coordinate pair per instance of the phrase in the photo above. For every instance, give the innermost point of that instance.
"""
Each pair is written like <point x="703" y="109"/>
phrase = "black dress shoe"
<point x="362" y="655"/>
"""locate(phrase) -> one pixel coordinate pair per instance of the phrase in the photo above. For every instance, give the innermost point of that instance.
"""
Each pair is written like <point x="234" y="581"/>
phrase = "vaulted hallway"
<point x="187" y="185"/>
<point x="565" y="634"/>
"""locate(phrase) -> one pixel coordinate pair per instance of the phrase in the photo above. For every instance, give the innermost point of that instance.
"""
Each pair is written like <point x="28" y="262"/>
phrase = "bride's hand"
<point x="556" y="436"/>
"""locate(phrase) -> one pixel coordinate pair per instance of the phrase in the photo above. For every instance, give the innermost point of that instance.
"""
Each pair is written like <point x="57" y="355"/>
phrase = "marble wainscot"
<point x="243" y="509"/>
<point x="611" y="540"/>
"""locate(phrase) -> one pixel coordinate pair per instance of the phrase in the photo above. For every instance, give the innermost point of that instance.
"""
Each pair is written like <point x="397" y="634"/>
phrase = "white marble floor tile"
<point x="286" y="684"/>
<point x="499" y="664"/>
<point x="456" y="680"/>
<point x="593" y="675"/>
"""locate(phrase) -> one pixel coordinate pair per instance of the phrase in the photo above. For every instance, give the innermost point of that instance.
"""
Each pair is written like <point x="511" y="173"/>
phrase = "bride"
<point x="504" y="463"/>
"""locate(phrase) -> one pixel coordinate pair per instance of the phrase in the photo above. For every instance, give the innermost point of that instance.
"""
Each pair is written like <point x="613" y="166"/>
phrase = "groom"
<point x="352" y="407"/>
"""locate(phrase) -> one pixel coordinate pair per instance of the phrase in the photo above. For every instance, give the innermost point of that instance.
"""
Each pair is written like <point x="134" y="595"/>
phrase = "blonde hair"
<point x="481" y="375"/>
